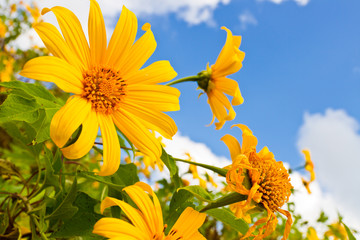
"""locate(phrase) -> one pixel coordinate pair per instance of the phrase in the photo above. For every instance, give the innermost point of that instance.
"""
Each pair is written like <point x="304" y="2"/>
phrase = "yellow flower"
<point x="6" y="73"/>
<point x="268" y="183"/>
<point x="108" y="87"/>
<point x="34" y="11"/>
<point x="3" y="29"/>
<point x="309" y="165"/>
<point x="215" y="83"/>
<point x="337" y="231"/>
<point x="146" y="222"/>
<point x="311" y="234"/>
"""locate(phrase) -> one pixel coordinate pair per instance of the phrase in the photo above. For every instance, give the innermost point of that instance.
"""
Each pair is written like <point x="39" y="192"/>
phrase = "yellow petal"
<point x="134" y="215"/>
<point x="86" y="139"/>
<point x="231" y="88"/>
<point x="116" y="228"/>
<point x="56" y="70"/>
<point x="188" y="224"/>
<point x="249" y="140"/>
<point x="218" y="104"/>
<point x="111" y="146"/>
<point x="97" y="34"/>
<point x="151" y="119"/>
<point x="141" y="137"/>
<point x="122" y="38"/>
<point x="157" y="72"/>
<point x="68" y="119"/>
<point x="156" y="97"/>
<point x="232" y="144"/>
<point x="56" y="44"/>
<point x="146" y="206"/>
<point x="74" y="35"/>
<point x="230" y="58"/>
<point x="139" y="53"/>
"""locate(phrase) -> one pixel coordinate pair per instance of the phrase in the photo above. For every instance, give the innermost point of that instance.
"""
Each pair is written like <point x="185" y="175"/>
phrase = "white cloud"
<point x="192" y="12"/>
<point x="247" y="18"/>
<point x="334" y="142"/>
<point x="299" y="2"/>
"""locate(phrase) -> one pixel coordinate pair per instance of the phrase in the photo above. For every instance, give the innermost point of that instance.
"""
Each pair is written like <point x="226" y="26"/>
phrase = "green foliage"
<point x="227" y="217"/>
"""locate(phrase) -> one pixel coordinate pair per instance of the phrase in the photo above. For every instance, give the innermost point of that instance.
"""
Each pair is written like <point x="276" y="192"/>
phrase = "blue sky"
<point x="300" y="77"/>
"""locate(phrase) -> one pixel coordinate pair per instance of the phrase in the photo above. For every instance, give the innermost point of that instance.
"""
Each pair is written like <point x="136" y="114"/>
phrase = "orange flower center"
<point x="273" y="180"/>
<point x="104" y="88"/>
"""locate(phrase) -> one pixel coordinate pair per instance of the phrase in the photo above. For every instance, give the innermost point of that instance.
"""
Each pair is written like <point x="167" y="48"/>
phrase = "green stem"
<point x="220" y="171"/>
<point x="225" y="200"/>
<point x="186" y="79"/>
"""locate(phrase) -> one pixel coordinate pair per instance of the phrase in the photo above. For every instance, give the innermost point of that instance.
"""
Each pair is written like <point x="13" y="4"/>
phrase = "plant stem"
<point x="220" y="171"/>
<point x="186" y="79"/>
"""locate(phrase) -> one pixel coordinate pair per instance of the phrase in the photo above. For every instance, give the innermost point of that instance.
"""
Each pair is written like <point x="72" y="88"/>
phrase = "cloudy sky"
<point x="300" y="81"/>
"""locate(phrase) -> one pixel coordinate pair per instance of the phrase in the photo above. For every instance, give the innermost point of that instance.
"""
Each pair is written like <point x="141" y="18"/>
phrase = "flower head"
<point x="309" y="165"/>
<point x="215" y="83"/>
<point x="147" y="221"/>
<point x="262" y="178"/>
<point x="107" y="84"/>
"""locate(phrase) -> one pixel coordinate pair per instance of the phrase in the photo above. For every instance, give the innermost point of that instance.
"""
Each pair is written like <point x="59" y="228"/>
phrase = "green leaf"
<point x="179" y="199"/>
<point x="126" y="175"/>
<point x="82" y="223"/>
<point x="349" y="233"/>
<point x="17" y="108"/>
<point x="199" y="192"/>
<point x="51" y="180"/>
<point x="228" y="218"/>
<point x="170" y="163"/>
<point x="66" y="209"/>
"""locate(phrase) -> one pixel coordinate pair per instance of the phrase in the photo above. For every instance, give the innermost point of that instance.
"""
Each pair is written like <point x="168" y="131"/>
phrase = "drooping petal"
<point x="219" y="103"/>
<point x="140" y="52"/>
<point x="231" y="88"/>
<point x="146" y="206"/>
<point x="86" y="139"/>
<point x="249" y="140"/>
<point x="157" y="72"/>
<point x="97" y="34"/>
<point x="151" y="119"/>
<point x="233" y="145"/>
<point x="141" y="137"/>
<point x="68" y="119"/>
<point x="74" y="35"/>
<point x="187" y="225"/>
<point x="135" y="216"/>
<point x="56" y="44"/>
<point x="122" y="39"/>
<point x="156" y="97"/>
<point x="56" y="70"/>
<point x="230" y="58"/>
<point x="116" y="228"/>
<point x="111" y="146"/>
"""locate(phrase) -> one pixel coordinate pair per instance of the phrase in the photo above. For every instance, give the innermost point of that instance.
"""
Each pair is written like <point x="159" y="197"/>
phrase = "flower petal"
<point x="97" y="34"/>
<point x="122" y="38"/>
<point x="249" y="141"/>
<point x="156" y="97"/>
<point x="233" y="145"/>
<point x="140" y="52"/>
<point x="56" y="44"/>
<point x="230" y="58"/>
<point x="146" y="206"/>
<point x="134" y="215"/>
<point x="86" y="139"/>
<point x="231" y="88"/>
<point x="74" y="35"/>
<point x="157" y="72"/>
<point x="187" y="225"/>
<point x="68" y="119"/>
<point x="151" y="119"/>
<point x="56" y="70"/>
<point x="141" y="137"/>
<point x="116" y="228"/>
<point x="111" y="146"/>
<point x="218" y="104"/>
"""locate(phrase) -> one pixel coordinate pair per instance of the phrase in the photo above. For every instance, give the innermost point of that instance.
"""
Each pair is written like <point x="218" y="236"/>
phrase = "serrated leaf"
<point x="228" y="218"/>
<point x="66" y="209"/>
<point x="17" y="108"/>
<point x="82" y="223"/>
<point x="199" y="192"/>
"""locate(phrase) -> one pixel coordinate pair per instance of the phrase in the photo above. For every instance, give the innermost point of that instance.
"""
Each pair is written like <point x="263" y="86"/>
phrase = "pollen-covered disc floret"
<point x="104" y="88"/>
<point x="273" y="180"/>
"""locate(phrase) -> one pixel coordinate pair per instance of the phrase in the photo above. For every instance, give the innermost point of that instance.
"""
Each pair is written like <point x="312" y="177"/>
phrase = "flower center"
<point x="274" y="182"/>
<point x="104" y="88"/>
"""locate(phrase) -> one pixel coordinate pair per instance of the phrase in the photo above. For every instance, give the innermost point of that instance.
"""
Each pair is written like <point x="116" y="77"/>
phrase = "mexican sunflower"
<point x="107" y="85"/>
<point x="265" y="181"/>
<point x="215" y="83"/>
<point x="146" y="222"/>
<point x="309" y="166"/>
